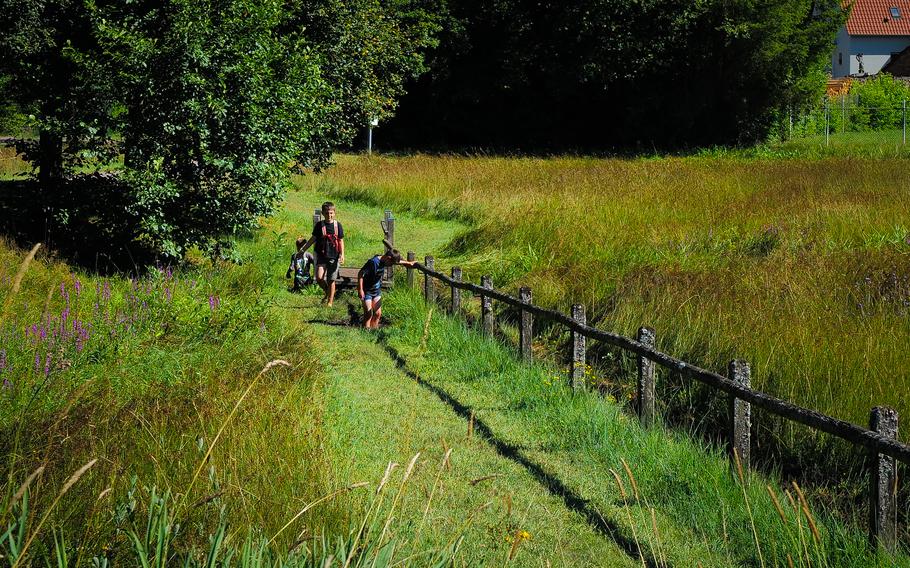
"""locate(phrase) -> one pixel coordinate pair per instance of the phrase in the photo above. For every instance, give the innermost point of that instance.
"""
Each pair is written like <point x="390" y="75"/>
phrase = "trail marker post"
<point x="429" y="291"/>
<point x="883" y="494"/>
<point x="456" y="292"/>
<point x="578" y="350"/>
<point x="526" y="334"/>
<point x="486" y="307"/>
<point x="411" y="257"/>
<point x="645" y="384"/>
<point x="739" y="372"/>
<point x="388" y="227"/>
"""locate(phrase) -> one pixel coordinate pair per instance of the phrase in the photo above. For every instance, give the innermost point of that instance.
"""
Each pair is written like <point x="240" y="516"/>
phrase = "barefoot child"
<point x="329" y="238"/>
<point x="369" y="285"/>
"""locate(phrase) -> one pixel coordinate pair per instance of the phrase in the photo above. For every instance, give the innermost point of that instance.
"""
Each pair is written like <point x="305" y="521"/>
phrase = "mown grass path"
<point x="378" y="413"/>
<point x="529" y="460"/>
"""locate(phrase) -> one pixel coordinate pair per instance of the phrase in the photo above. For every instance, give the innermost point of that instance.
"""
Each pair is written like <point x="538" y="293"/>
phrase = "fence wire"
<point x="848" y="123"/>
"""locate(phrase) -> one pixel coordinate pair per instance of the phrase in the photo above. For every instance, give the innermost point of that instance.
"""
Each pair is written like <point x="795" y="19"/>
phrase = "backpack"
<point x="329" y="238"/>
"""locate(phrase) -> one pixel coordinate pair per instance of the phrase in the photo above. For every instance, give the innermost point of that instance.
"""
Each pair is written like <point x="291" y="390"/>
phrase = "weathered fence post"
<point x="883" y="497"/>
<point x="645" y="387"/>
<point x="739" y="372"/>
<point x="317" y="217"/>
<point x="456" y="292"/>
<point x="526" y="333"/>
<point x="389" y="229"/>
<point x="578" y="349"/>
<point x="429" y="291"/>
<point x="411" y="257"/>
<point x="486" y="307"/>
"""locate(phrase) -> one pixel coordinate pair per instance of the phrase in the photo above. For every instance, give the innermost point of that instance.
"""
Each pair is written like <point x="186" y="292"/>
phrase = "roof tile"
<point x="873" y="17"/>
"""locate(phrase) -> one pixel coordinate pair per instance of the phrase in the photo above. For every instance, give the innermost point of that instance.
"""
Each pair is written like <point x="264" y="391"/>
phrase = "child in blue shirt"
<point x="369" y="285"/>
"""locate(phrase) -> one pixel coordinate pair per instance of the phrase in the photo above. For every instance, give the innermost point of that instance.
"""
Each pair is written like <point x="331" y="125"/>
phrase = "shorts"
<point x="331" y="267"/>
<point x="370" y="295"/>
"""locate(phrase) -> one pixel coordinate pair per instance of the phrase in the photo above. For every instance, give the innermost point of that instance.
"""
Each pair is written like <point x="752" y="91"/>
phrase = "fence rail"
<point x="880" y="438"/>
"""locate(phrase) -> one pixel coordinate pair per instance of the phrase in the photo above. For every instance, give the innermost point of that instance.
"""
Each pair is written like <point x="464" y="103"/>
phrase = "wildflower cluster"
<point x="612" y="390"/>
<point x="518" y="536"/>
<point x="78" y="321"/>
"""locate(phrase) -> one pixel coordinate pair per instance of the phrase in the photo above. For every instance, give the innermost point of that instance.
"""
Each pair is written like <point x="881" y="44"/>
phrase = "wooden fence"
<point x="880" y="439"/>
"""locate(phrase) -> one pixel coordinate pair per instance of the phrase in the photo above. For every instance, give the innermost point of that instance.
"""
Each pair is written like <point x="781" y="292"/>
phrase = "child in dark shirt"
<point x="369" y="285"/>
<point x="301" y="262"/>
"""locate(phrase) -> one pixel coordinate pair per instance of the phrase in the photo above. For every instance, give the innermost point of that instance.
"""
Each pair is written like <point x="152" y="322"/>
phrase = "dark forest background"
<point x="614" y="75"/>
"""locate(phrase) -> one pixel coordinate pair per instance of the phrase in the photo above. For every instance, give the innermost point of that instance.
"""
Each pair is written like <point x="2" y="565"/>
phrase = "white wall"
<point x="876" y="52"/>
<point x="840" y="59"/>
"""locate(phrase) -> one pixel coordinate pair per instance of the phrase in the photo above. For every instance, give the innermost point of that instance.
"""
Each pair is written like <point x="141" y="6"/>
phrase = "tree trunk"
<point x="50" y="157"/>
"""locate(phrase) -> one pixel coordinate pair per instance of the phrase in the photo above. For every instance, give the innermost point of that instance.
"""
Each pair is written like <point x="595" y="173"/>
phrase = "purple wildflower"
<point x="78" y="286"/>
<point x="4" y="365"/>
<point x="37" y="363"/>
<point x="47" y="365"/>
<point x="214" y="302"/>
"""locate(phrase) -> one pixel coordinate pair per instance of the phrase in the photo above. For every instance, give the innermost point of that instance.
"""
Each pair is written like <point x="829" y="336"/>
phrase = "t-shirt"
<point x="301" y="264"/>
<point x="326" y="246"/>
<point x="372" y="274"/>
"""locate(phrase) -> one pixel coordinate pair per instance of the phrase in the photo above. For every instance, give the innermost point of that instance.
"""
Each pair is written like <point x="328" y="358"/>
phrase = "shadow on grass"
<point x="85" y="220"/>
<point x="550" y="482"/>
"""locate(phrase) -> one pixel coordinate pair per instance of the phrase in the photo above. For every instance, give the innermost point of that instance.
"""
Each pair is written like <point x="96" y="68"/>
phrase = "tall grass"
<point x="154" y="381"/>
<point x="801" y="267"/>
<point x="677" y="502"/>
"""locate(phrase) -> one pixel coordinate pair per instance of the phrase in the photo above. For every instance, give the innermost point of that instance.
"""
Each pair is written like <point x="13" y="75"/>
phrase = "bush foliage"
<point x="215" y="102"/>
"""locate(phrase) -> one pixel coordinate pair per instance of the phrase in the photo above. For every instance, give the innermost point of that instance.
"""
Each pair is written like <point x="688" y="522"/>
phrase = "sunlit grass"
<point x="801" y="267"/>
<point x="680" y="503"/>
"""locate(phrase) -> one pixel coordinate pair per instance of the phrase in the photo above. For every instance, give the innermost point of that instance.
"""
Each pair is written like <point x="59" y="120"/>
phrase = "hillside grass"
<point x="142" y="375"/>
<point x="158" y="377"/>
<point x="800" y="267"/>
<point x="672" y="501"/>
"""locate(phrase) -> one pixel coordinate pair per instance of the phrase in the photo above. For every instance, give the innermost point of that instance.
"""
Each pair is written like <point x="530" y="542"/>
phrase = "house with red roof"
<point x="876" y="33"/>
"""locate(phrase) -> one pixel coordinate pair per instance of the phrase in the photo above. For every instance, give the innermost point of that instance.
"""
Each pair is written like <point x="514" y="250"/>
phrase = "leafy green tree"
<point x="43" y="51"/>
<point x="216" y="101"/>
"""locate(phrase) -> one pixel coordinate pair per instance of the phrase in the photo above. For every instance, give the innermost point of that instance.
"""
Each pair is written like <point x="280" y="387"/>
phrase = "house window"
<point x="840" y="58"/>
<point x="895" y="12"/>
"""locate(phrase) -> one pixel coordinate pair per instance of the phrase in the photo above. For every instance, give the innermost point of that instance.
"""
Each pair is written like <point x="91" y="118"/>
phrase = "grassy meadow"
<point x="139" y="378"/>
<point x="202" y="414"/>
<point x="801" y="267"/>
<point x="670" y="500"/>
